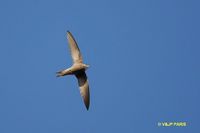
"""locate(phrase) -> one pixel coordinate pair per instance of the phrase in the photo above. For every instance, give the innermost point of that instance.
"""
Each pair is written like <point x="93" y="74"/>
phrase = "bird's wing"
<point x="75" y="52"/>
<point x="84" y="88"/>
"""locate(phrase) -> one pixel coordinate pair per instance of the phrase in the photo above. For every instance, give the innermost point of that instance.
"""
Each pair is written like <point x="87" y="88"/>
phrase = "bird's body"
<point x="78" y="69"/>
<point x="73" y="70"/>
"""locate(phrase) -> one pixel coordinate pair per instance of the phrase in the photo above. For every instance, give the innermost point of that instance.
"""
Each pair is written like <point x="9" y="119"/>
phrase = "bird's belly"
<point x="77" y="71"/>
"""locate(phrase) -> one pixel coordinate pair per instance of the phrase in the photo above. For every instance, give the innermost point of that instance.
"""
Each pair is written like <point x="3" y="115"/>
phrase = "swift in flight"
<point x="78" y="69"/>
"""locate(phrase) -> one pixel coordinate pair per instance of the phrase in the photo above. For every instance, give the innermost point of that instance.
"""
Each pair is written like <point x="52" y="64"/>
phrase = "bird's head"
<point x="86" y="66"/>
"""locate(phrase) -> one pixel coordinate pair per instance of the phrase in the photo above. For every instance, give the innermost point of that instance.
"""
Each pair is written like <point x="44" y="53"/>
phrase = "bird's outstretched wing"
<point x="75" y="52"/>
<point x="84" y="88"/>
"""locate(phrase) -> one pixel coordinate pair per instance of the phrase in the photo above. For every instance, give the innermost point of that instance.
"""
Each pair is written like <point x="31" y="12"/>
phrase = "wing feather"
<point x="75" y="52"/>
<point x="84" y="88"/>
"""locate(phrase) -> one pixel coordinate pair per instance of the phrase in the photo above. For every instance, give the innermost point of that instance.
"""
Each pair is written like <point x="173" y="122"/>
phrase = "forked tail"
<point x="59" y="74"/>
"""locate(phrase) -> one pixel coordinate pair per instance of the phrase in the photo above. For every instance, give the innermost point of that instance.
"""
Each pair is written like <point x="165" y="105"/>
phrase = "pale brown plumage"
<point x="78" y="69"/>
<point x="75" y="52"/>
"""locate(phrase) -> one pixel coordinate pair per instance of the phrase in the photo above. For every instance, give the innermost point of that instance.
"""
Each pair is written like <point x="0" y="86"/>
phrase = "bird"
<point x="78" y="69"/>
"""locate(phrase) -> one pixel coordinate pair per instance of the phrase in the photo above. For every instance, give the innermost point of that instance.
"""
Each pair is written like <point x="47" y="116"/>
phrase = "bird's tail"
<point x="59" y="74"/>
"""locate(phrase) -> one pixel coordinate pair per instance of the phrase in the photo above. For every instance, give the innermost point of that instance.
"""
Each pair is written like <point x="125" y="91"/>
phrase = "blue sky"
<point x="143" y="57"/>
